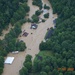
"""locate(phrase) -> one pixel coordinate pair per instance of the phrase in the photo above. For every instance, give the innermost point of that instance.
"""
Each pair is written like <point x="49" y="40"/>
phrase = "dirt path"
<point x="32" y="41"/>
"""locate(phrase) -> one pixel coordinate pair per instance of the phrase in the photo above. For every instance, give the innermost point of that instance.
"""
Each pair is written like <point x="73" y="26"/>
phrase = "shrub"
<point x="46" y="15"/>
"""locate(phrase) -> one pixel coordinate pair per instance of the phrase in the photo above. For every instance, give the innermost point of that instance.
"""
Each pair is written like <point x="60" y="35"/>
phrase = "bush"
<point x="35" y="18"/>
<point x="43" y="20"/>
<point x="46" y="15"/>
<point x="46" y="7"/>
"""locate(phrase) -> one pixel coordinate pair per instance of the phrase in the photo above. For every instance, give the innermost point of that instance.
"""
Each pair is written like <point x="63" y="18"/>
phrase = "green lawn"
<point x="45" y="53"/>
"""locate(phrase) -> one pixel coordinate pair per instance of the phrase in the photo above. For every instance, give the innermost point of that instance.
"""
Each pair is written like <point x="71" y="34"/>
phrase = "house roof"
<point x="9" y="60"/>
<point x="33" y="26"/>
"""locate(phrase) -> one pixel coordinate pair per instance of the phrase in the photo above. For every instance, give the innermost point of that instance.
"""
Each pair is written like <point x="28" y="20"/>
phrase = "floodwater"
<point x="32" y="40"/>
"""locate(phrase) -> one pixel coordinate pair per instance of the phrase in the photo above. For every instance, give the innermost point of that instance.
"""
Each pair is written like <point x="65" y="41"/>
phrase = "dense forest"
<point x="13" y="12"/>
<point x="8" y="9"/>
<point x="62" y="41"/>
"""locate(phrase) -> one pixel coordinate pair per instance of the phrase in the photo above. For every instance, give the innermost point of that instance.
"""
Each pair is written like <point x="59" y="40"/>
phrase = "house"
<point x="25" y="34"/>
<point x="9" y="60"/>
<point x="34" y="26"/>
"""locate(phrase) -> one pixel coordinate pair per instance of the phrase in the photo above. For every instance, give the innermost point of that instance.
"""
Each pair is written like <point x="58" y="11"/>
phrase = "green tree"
<point x="38" y="12"/>
<point x="1" y="62"/>
<point x="46" y="69"/>
<point x="55" y="72"/>
<point x="60" y="73"/>
<point x="43" y="73"/>
<point x="28" y="65"/>
<point x="46" y="7"/>
<point x="46" y="15"/>
<point x="1" y="70"/>
<point x="28" y="58"/>
<point x="23" y="71"/>
<point x="35" y="18"/>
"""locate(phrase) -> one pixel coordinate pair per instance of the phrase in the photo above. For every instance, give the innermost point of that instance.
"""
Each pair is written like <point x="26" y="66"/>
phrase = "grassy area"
<point x="45" y="53"/>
